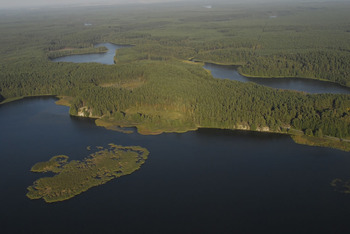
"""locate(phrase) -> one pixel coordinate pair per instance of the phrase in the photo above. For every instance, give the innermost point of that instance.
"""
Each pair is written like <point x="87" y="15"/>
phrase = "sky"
<point x="36" y="3"/>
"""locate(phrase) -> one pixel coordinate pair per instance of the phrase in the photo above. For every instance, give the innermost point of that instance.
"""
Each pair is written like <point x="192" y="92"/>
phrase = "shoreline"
<point x="298" y="137"/>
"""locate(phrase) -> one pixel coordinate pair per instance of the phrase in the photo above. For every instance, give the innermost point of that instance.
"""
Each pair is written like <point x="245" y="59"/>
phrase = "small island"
<point x="75" y="177"/>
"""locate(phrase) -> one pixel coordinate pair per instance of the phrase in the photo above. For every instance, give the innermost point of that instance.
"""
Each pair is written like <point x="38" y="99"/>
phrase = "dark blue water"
<point x="207" y="181"/>
<point x="104" y="58"/>
<point x="298" y="84"/>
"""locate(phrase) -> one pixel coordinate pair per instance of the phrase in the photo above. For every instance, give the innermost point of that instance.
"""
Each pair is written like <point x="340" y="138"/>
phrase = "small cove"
<point x="103" y="58"/>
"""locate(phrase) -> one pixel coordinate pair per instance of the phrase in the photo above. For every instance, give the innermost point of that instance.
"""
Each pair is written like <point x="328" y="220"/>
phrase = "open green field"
<point x="151" y="86"/>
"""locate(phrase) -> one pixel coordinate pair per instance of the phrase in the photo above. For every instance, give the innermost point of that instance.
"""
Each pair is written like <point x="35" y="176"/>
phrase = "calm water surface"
<point x="298" y="84"/>
<point x="104" y="58"/>
<point x="207" y="181"/>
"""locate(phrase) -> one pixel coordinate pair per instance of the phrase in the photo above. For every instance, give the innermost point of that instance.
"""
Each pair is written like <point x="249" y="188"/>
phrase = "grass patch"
<point x="64" y="101"/>
<point x="75" y="177"/>
<point x="112" y="126"/>
<point x="322" y="142"/>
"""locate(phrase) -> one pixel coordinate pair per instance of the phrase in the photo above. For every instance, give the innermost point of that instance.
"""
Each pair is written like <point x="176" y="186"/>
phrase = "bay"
<point x="206" y="181"/>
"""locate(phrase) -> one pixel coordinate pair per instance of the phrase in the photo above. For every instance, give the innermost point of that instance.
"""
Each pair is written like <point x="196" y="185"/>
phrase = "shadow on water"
<point x="214" y="132"/>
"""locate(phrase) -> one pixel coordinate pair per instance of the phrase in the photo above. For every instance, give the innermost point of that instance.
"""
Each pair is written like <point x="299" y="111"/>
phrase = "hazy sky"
<point x="29" y="3"/>
<point x="35" y="3"/>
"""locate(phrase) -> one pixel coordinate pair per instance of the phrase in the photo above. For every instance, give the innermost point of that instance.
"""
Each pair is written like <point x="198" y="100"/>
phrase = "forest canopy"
<point x="152" y="87"/>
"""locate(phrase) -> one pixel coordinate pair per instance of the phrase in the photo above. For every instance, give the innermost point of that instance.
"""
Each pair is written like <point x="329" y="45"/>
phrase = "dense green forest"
<point x="154" y="87"/>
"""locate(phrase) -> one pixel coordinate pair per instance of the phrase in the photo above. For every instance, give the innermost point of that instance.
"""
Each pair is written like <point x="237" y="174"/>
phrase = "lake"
<point x="104" y="58"/>
<point x="206" y="181"/>
<point x="298" y="84"/>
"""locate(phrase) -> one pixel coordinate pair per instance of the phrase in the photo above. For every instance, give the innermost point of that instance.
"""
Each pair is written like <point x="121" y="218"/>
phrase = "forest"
<point x="154" y="86"/>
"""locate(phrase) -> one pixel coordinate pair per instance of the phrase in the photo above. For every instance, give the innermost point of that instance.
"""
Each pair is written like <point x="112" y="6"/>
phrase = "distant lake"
<point x="104" y="58"/>
<point x="222" y="72"/>
<point x="206" y="181"/>
<point x="298" y="84"/>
